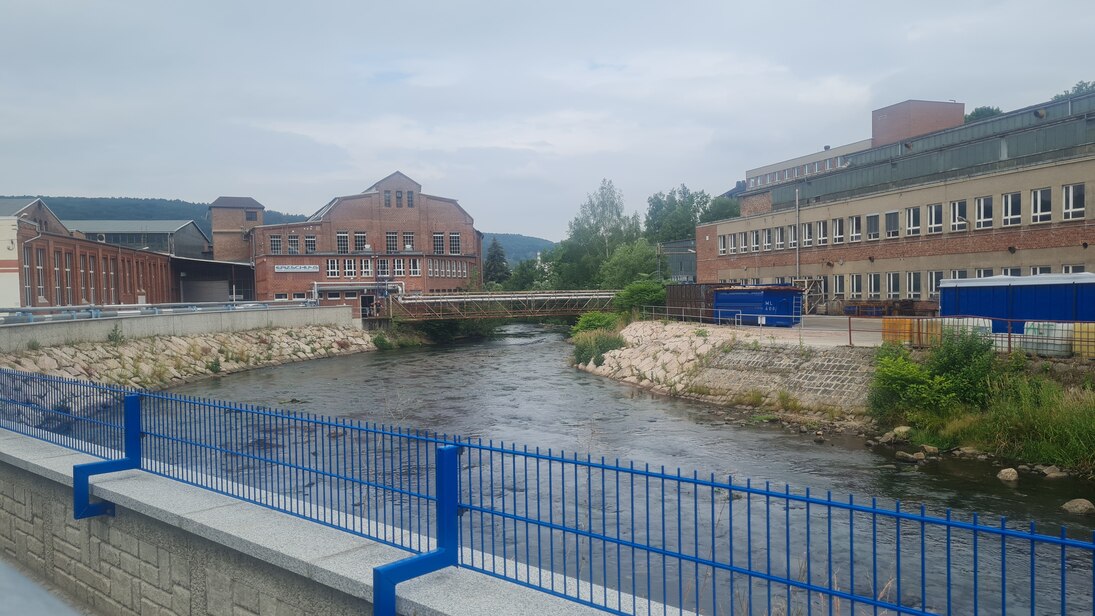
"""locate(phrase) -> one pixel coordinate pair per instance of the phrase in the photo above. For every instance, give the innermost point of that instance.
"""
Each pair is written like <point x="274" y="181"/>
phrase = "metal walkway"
<point x="498" y="305"/>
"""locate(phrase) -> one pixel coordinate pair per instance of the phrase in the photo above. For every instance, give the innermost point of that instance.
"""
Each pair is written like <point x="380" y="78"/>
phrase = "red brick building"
<point x="46" y="265"/>
<point x="357" y="249"/>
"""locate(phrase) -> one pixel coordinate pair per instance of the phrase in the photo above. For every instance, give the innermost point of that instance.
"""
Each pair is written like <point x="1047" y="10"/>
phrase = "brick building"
<point x="356" y="249"/>
<point x="1004" y="195"/>
<point x="43" y="264"/>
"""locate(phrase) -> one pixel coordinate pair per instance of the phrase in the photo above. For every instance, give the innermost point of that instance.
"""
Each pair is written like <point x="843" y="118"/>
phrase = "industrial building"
<point x="357" y="249"/>
<point x="926" y="199"/>
<point x="180" y="238"/>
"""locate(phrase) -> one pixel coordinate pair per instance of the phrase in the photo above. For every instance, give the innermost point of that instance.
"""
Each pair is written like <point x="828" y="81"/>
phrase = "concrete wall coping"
<point x="328" y="556"/>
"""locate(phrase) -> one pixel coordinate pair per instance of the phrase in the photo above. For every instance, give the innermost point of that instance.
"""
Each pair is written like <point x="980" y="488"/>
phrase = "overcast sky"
<point x="517" y="109"/>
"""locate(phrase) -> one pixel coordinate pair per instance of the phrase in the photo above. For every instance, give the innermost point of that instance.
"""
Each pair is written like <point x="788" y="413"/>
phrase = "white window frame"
<point x="912" y="227"/>
<point x="415" y="266"/>
<point x="731" y="243"/>
<point x="934" y="278"/>
<point x="838" y="286"/>
<point x="822" y="232"/>
<point x="982" y="272"/>
<point x="792" y="236"/>
<point x="855" y="228"/>
<point x="767" y="235"/>
<point x="398" y="267"/>
<point x="722" y="245"/>
<point x="838" y="230"/>
<point x="1011" y="211"/>
<point x="856" y="285"/>
<point x="332" y="268"/>
<point x="349" y="267"/>
<point x="366" y="268"/>
<point x="1036" y="270"/>
<point x="1011" y="271"/>
<point x="1041" y="206"/>
<point x="982" y="212"/>
<point x="897" y="224"/>
<point x="935" y="218"/>
<point x="754" y="240"/>
<point x="874" y="285"/>
<point x="807" y="234"/>
<point x="1073" y="206"/>
<point x="877" y="225"/>
<point x="779" y="238"/>
<point x="1077" y="268"/>
<point x="281" y="297"/>
<point x="913" y="286"/>
<point x="965" y="274"/>
<point x="959" y="211"/>
<point x="893" y="285"/>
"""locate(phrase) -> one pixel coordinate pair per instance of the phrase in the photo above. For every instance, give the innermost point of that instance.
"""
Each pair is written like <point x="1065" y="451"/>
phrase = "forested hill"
<point x="127" y="208"/>
<point x="517" y="247"/>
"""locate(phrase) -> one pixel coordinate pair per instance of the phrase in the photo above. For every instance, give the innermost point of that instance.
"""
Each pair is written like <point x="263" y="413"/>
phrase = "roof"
<point x="127" y="226"/>
<point x="237" y="202"/>
<point x="388" y="177"/>
<point x="10" y="206"/>
<point x="1020" y="281"/>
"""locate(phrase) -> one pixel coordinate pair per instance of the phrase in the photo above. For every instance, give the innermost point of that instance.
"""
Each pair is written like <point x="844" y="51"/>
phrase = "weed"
<point x="787" y="401"/>
<point x="116" y="337"/>
<point x="214" y="365"/>
<point x="702" y="333"/>
<point x="592" y="345"/>
<point x="382" y="342"/>
<point x="33" y="345"/>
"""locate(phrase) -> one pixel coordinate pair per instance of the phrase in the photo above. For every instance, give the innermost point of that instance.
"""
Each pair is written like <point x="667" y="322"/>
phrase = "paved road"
<point x="23" y="596"/>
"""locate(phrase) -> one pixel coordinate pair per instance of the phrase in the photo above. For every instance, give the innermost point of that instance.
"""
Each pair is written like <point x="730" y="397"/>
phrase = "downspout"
<point x="25" y="242"/>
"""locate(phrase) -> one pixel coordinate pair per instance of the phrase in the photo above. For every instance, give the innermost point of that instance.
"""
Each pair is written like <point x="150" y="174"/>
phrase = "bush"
<point x="639" y="294"/>
<point x="590" y="321"/>
<point x="969" y="361"/>
<point x="382" y="343"/>
<point x="593" y="344"/>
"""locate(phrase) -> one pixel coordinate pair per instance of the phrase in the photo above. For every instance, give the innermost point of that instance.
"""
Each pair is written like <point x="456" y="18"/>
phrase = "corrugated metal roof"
<point x="10" y="206"/>
<point x="127" y="226"/>
<point x="1017" y="281"/>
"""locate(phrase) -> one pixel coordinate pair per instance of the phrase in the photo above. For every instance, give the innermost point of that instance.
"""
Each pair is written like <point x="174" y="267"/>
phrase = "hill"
<point x="128" y="208"/>
<point x="518" y="247"/>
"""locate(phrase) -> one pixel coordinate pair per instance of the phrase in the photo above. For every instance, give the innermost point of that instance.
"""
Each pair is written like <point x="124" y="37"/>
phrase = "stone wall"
<point x="160" y="361"/>
<point x="741" y="366"/>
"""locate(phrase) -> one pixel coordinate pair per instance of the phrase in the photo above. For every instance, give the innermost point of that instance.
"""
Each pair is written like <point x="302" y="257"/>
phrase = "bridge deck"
<point x="498" y="305"/>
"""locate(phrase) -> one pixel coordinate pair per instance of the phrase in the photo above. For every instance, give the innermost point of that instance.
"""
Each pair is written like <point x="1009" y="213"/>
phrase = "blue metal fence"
<point x="619" y="536"/>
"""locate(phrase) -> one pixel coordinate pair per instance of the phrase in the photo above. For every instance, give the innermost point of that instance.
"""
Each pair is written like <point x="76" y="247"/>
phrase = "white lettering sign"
<point x="292" y="269"/>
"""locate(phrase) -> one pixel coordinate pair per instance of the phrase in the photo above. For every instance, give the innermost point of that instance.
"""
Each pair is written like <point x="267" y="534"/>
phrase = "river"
<point x="519" y="388"/>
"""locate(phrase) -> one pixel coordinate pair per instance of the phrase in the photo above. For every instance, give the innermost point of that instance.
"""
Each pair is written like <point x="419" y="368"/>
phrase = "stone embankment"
<point x="161" y="361"/>
<point x="746" y="367"/>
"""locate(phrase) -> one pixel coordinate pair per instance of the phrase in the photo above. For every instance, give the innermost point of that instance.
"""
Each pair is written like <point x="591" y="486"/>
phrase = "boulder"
<point x="904" y="456"/>
<point x="929" y="450"/>
<point x="886" y="438"/>
<point x="1049" y="470"/>
<point x="1079" y="506"/>
<point x="1057" y="475"/>
<point x="901" y="433"/>
<point x="1008" y="475"/>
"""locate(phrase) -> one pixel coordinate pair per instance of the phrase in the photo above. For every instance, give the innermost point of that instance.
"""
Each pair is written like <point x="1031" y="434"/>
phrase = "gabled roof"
<point x="11" y="206"/>
<point x="237" y="202"/>
<point x="130" y="226"/>
<point x="385" y="179"/>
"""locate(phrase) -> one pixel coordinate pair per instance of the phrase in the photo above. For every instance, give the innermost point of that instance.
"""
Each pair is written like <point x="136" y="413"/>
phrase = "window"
<point x="838" y="230"/>
<point x="28" y="295"/>
<point x="454" y="244"/>
<point x="855" y="228"/>
<point x="342" y="242"/>
<point x="1041" y="205"/>
<point x="361" y="240"/>
<point x="438" y="243"/>
<point x="754" y="245"/>
<point x="332" y="268"/>
<point x="366" y="268"/>
<point x="872" y="226"/>
<point x="779" y="238"/>
<point x="299" y="295"/>
<point x="935" y="218"/>
<point x="83" y="277"/>
<point x="731" y="243"/>
<point x="934" y="278"/>
<point x="348" y="267"/>
<point x="892" y="225"/>
<point x="91" y="279"/>
<point x="893" y="285"/>
<point x="281" y="297"/>
<point x="294" y="244"/>
<point x="1073" y="269"/>
<point x="983" y="213"/>
<point x="1040" y="269"/>
<point x="1010" y="271"/>
<point x="822" y="232"/>
<point x="1074" y="202"/>
<point x="387" y="198"/>
<point x="275" y="244"/>
<point x="410" y="198"/>
<point x="983" y="272"/>
<point x="251" y="215"/>
<point x="351" y="295"/>
<point x="398" y="269"/>
<point x="767" y="239"/>
<point x="792" y="236"/>
<point x="416" y="267"/>
<point x="912" y="221"/>
<point x="838" y="286"/>
<point x="959" y="221"/>
<point x="874" y="286"/>
<point x="722" y="244"/>
<point x="399" y="198"/>
<point x="334" y="295"/>
<point x="743" y="242"/>
<point x="1013" y="209"/>
<point x="913" y="290"/>
<point x="807" y="234"/>
<point x="309" y="244"/>
<point x="408" y="240"/>
<point x="381" y="267"/>
<point x="959" y="274"/>
<point x="391" y="241"/>
<point x="857" y="286"/>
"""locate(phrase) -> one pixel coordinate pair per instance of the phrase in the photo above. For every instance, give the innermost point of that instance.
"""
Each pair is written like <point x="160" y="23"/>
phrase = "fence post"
<point x="447" y="552"/>
<point x="82" y="507"/>
<point x="850" y="331"/>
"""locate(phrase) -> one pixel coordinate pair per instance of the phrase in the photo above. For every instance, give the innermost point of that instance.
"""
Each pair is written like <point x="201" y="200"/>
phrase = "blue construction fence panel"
<point x="1010" y="302"/>
<point x="776" y="306"/>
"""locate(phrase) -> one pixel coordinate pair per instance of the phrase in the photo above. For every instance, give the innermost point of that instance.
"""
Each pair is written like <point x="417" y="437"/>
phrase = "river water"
<point x="518" y="388"/>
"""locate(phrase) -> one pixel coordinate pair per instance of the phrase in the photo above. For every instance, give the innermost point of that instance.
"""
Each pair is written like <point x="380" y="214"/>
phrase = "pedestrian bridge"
<point x="498" y="305"/>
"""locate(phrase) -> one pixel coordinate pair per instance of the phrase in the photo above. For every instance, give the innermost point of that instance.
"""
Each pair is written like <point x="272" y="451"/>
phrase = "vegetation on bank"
<point x="962" y="393"/>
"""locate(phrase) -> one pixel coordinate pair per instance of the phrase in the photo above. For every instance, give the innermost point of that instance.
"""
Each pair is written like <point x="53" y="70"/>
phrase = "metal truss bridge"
<point x="498" y="305"/>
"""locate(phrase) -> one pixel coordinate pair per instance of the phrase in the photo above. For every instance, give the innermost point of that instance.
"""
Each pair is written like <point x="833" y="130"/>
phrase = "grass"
<point x="592" y="345"/>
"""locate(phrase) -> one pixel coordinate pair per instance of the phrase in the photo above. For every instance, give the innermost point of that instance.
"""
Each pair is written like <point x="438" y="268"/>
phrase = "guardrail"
<point x="1046" y="338"/>
<point x="624" y="537"/>
<point x="46" y="314"/>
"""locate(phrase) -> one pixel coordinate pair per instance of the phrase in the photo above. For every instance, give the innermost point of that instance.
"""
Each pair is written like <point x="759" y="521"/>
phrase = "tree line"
<point x="606" y="248"/>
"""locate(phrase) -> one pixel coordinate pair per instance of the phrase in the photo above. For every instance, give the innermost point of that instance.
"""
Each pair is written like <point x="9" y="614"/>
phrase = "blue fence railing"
<point x="622" y="537"/>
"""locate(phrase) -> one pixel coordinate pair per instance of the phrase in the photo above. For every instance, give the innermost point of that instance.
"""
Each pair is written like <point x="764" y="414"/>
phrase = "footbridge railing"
<point x="624" y="537"/>
<point x="498" y="305"/>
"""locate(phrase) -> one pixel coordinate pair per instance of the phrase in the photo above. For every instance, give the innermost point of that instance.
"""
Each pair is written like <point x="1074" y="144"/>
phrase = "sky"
<point x="516" y="109"/>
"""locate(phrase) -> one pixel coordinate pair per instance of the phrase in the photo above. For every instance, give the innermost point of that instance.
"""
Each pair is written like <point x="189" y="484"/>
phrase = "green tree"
<point x="1081" y="87"/>
<point x="982" y="113"/>
<point x="720" y="208"/>
<point x="495" y="268"/>
<point x="529" y="275"/>
<point x="673" y="215"/>
<point x="639" y="294"/>
<point x="628" y="263"/>
<point x="600" y="226"/>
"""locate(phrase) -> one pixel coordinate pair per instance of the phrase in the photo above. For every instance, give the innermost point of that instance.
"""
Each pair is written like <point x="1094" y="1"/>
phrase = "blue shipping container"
<point x="1047" y="297"/>
<point x="778" y="305"/>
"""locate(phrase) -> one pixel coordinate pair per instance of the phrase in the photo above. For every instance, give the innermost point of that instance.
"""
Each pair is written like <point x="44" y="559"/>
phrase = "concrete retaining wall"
<point x="55" y="333"/>
<point x="174" y="549"/>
